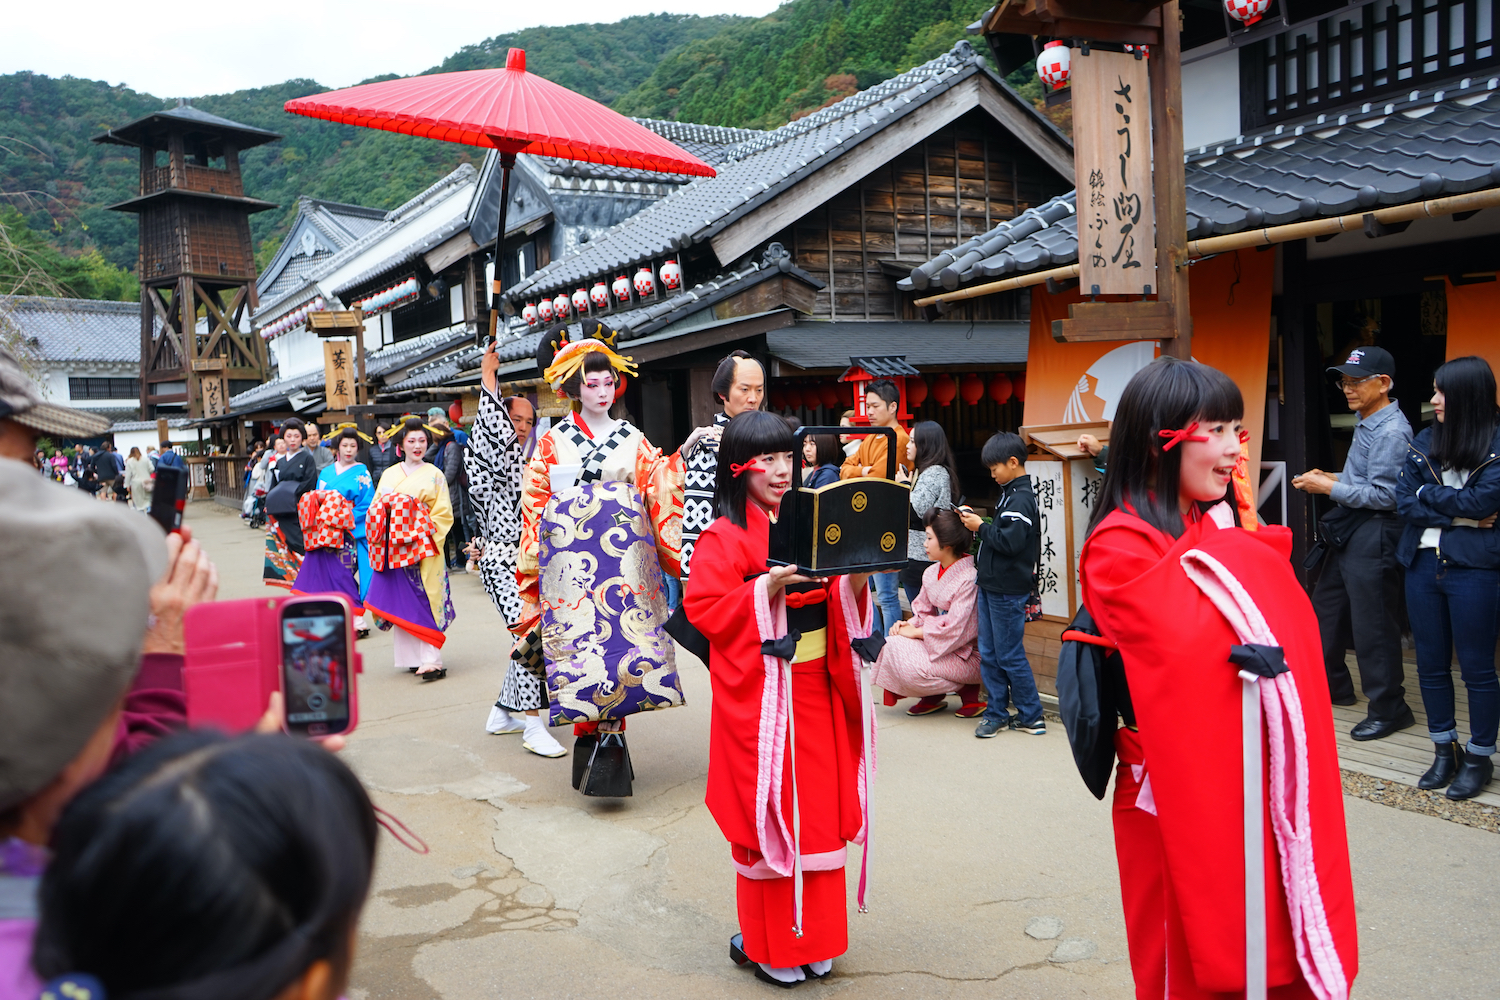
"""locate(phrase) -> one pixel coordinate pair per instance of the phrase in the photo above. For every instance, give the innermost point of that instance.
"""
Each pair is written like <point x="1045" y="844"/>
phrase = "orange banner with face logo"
<point x="1230" y="300"/>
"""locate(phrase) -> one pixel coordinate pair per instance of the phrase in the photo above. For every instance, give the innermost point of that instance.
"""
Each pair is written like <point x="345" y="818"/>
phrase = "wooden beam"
<point x="1098" y="31"/>
<point x="1033" y="134"/>
<point x="1170" y="184"/>
<point x="1088" y="321"/>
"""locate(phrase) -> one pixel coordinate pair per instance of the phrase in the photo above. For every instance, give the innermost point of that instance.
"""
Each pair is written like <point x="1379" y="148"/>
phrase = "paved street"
<point x="531" y="890"/>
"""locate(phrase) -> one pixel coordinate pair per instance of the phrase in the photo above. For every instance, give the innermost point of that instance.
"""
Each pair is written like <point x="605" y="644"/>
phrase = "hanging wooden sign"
<point x="1112" y="161"/>
<point x="338" y="374"/>
<point x="215" y="395"/>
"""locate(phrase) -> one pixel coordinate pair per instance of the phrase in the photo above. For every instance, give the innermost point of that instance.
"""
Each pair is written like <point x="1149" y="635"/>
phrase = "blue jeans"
<point x="887" y="601"/>
<point x="1002" y="657"/>
<point x="1456" y="606"/>
<point x="674" y="591"/>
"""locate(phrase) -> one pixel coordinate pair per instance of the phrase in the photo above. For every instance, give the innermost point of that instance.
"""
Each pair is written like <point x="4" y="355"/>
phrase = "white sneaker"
<point x="539" y="741"/>
<point x="501" y="723"/>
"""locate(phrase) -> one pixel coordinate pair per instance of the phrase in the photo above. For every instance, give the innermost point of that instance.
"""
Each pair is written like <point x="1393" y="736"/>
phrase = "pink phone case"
<point x="233" y="663"/>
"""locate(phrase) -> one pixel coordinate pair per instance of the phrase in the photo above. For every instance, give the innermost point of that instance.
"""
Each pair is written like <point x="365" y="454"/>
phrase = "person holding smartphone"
<point x="405" y="528"/>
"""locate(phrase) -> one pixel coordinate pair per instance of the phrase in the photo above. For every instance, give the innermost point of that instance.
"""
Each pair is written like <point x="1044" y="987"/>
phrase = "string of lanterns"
<point x="597" y="298"/>
<point x="999" y="387"/>
<point x="292" y="320"/>
<point x="383" y="301"/>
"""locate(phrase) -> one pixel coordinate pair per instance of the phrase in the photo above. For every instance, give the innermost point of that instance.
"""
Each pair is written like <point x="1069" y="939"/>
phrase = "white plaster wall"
<point x="125" y="440"/>
<point x="1210" y="98"/>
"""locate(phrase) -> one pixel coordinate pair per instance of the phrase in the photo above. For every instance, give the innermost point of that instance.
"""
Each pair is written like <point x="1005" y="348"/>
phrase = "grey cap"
<point x="72" y="616"/>
<point x="21" y="401"/>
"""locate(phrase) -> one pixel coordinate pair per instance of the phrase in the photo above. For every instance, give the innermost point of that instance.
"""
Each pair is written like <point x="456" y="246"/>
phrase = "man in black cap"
<point x="1358" y="595"/>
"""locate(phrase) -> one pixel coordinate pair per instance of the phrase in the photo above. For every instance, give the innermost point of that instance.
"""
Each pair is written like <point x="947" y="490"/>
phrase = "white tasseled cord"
<point x="791" y="729"/>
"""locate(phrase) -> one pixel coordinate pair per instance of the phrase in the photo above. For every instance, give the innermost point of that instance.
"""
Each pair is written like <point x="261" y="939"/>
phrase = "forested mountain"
<point x="722" y="70"/>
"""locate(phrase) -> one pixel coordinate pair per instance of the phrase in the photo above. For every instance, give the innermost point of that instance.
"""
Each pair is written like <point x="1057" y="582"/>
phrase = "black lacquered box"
<point x="851" y="526"/>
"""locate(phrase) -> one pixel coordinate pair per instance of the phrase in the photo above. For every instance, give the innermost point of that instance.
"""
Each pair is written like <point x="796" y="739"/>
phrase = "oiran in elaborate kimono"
<point x="601" y="523"/>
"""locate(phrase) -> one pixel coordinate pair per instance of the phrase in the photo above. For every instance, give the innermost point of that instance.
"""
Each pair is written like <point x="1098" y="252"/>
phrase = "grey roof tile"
<point x="78" y="329"/>
<point x="1426" y="148"/>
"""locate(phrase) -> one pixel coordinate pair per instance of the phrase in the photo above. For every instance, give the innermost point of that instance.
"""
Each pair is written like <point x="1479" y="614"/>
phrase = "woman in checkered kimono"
<point x="415" y="599"/>
<point x="587" y="447"/>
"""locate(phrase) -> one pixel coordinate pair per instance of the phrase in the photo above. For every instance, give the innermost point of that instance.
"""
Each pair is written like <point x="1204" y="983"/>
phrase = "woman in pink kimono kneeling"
<point x="935" y="651"/>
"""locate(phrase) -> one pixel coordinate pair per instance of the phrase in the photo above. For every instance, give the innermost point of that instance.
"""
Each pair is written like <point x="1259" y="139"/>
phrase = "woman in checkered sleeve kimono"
<point x="589" y="446"/>
<point x="415" y="599"/>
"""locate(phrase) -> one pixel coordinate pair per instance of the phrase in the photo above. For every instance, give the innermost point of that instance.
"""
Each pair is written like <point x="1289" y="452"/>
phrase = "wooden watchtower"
<point x="196" y="257"/>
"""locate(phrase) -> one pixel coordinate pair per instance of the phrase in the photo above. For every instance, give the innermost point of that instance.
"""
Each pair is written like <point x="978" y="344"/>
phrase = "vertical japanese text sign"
<point x="338" y="373"/>
<point x="215" y="396"/>
<point x="1112" y="163"/>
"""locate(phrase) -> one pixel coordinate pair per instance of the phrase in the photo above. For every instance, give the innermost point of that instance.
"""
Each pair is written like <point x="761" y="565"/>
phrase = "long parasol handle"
<point x="1255" y="849"/>
<point x="507" y="161"/>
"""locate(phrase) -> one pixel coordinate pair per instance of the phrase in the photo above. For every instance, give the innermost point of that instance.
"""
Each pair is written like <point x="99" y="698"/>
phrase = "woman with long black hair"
<point x="1182" y="592"/>
<point x="1448" y="494"/>
<point x="934" y="485"/>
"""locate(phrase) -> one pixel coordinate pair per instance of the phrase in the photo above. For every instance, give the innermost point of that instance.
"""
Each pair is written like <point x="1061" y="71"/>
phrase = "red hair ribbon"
<point x="804" y="598"/>
<point x="1175" y="438"/>
<point x="750" y="466"/>
<point x="1244" y="435"/>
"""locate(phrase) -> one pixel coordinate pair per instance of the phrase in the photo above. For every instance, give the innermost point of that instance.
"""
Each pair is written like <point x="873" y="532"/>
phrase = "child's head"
<point x="755" y="463"/>
<point x="1004" y="454"/>
<point x="211" y="866"/>
<point x="945" y="530"/>
<point x="882" y="402"/>
<point x="1158" y="459"/>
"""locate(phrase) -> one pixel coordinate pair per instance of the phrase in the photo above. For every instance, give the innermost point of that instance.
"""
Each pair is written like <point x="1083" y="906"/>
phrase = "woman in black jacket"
<point x="1448" y="494"/>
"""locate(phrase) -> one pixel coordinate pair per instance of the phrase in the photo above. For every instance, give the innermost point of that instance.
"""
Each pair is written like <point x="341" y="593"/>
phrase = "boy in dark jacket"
<point x="1006" y="564"/>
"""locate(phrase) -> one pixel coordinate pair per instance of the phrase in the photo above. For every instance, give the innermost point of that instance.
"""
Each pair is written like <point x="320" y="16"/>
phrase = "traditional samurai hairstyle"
<point x="949" y="529"/>
<point x="564" y="362"/>
<point x="752" y="433"/>
<point x="1142" y="475"/>
<point x="208" y="866"/>
<point x="933" y="449"/>
<point x="724" y="375"/>
<point x="1462" y="439"/>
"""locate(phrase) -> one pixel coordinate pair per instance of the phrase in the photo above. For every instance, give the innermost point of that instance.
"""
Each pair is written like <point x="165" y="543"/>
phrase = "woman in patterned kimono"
<point x="493" y="461"/>
<point x="588" y="447"/>
<point x="294" y="474"/>
<point x="936" y="650"/>
<point x="346" y="569"/>
<point x="413" y="599"/>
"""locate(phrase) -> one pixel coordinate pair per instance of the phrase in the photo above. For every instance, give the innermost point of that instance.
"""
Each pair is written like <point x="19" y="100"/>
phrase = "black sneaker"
<point x="1037" y="728"/>
<point x="988" y="729"/>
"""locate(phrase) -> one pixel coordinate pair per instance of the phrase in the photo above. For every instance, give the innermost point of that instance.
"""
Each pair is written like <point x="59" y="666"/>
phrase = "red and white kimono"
<point x="947" y="656"/>
<point x="788" y="807"/>
<point x="1174" y="607"/>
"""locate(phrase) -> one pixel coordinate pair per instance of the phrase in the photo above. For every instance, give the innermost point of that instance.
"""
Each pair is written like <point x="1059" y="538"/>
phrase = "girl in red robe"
<point x="1174" y="583"/>
<point x="791" y="746"/>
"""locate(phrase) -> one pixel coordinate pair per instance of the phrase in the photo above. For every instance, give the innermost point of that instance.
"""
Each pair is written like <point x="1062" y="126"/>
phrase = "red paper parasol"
<point x="505" y="109"/>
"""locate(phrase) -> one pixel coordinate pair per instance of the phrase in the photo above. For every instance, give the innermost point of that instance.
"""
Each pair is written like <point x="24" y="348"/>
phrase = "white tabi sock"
<point x="792" y="975"/>
<point x="821" y="968"/>
<point x="502" y="722"/>
<point x="539" y="741"/>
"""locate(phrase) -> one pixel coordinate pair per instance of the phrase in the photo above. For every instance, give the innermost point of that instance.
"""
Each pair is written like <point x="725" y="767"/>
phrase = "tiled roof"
<point x="407" y="253"/>
<point x="79" y="329"/>
<point x="709" y="143"/>
<point x="1443" y="142"/>
<point x="377" y="363"/>
<point x="755" y="171"/>
<point x="130" y="133"/>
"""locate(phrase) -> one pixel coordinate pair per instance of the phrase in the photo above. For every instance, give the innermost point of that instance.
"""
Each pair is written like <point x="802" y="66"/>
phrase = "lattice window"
<point x="1358" y="55"/>
<point x="104" y="388"/>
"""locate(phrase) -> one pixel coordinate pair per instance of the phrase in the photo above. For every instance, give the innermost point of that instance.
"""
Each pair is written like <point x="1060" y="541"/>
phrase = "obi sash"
<point x="325" y="516"/>
<point x="399" y="530"/>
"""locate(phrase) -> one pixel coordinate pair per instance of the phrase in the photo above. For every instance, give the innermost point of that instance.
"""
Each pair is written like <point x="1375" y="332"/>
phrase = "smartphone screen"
<point x="169" y="497"/>
<point x="315" y="667"/>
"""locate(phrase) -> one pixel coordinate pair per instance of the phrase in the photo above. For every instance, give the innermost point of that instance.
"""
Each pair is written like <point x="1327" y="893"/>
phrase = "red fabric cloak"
<point x="749" y="750"/>
<point x="1187" y="697"/>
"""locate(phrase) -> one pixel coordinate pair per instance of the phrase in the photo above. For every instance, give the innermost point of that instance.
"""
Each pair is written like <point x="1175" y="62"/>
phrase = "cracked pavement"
<point x="532" y="890"/>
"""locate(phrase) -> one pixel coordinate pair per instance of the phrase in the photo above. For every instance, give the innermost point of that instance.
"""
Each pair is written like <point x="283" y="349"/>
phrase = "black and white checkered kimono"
<point x="701" y="469"/>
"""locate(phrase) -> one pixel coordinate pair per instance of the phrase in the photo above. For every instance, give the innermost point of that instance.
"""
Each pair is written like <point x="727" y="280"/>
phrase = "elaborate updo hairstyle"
<point x="408" y="426"/>
<point x="292" y="424"/>
<point x="347" y="434"/>
<point x="208" y="866"/>
<point x="949" y="529"/>
<point x="593" y="329"/>
<point x="1167" y="394"/>
<point x="752" y="433"/>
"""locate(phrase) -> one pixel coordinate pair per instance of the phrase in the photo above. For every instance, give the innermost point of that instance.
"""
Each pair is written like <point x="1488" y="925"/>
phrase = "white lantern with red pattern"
<point x="671" y="275"/>
<point x="599" y="295"/>
<point x="529" y="314"/>
<point x="544" y="310"/>
<point x="1055" y="62"/>
<point x="645" y="282"/>
<point x="1247" y="11"/>
<point x="621" y="288"/>
<point x="581" y="302"/>
<point x="562" y="307"/>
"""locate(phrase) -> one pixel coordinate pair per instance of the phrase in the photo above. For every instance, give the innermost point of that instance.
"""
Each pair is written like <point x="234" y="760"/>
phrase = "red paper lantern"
<point x="829" y="394"/>
<point x="1000" y="388"/>
<point x="1055" y="62"/>
<point x="1018" y="386"/>
<point x="620" y="383"/>
<point x="778" y="399"/>
<point x="794" y="397"/>
<point x="916" y="391"/>
<point x="455" y="411"/>
<point x="944" y="389"/>
<point x="971" y="388"/>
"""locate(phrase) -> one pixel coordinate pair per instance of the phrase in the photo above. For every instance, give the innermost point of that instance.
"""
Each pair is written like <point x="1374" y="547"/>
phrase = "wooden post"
<point x="1170" y="181"/>
<point x="359" y="353"/>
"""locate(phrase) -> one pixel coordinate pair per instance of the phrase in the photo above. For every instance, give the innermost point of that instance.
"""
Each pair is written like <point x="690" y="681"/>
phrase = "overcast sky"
<point x="195" y="48"/>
